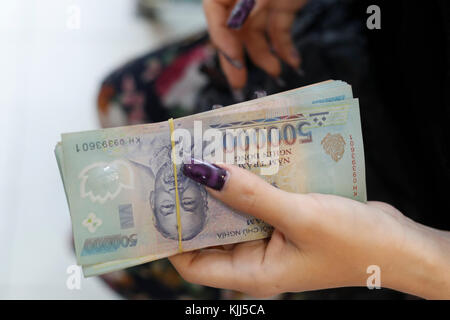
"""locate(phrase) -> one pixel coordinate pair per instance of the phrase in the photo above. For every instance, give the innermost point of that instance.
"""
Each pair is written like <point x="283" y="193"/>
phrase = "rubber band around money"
<point x="177" y="197"/>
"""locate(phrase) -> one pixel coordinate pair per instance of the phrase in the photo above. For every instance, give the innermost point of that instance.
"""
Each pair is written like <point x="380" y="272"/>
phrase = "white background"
<point x="49" y="79"/>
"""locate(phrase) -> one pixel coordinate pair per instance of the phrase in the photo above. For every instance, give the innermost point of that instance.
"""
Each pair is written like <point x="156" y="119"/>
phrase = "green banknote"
<point x="120" y="182"/>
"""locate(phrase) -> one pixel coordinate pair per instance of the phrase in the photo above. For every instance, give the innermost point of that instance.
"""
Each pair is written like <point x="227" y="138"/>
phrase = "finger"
<point x="244" y="10"/>
<point x="287" y="5"/>
<point x="228" y="247"/>
<point x="206" y="267"/>
<point x="279" y="30"/>
<point x="247" y="193"/>
<point x="260" y="5"/>
<point x="218" y="247"/>
<point x="237" y="77"/>
<point x="259" y="50"/>
<point x="231" y="51"/>
<point x="228" y="269"/>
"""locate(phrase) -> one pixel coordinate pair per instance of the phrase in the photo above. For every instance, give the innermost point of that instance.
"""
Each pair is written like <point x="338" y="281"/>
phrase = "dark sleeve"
<point x="409" y="137"/>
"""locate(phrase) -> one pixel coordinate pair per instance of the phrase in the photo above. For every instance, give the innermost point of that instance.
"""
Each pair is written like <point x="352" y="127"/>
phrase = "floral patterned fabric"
<point x="156" y="86"/>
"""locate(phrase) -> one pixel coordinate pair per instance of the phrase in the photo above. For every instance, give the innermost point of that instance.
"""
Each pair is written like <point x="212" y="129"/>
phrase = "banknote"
<point x="327" y="92"/>
<point x="119" y="182"/>
<point x="313" y="95"/>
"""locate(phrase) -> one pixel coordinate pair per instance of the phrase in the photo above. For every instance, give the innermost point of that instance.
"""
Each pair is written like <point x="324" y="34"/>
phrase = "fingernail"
<point x="236" y="63"/>
<point x="238" y="95"/>
<point x="205" y="173"/>
<point x="240" y="13"/>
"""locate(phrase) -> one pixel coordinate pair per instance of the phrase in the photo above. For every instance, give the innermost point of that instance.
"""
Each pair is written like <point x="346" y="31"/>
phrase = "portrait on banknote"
<point x="193" y="200"/>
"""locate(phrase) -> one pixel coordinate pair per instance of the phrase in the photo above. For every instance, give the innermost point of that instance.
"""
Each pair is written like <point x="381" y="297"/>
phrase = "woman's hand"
<point x="267" y="27"/>
<point x="320" y="241"/>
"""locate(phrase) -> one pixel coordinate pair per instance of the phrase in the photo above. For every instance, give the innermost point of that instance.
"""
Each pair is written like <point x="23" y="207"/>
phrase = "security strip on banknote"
<point x="120" y="182"/>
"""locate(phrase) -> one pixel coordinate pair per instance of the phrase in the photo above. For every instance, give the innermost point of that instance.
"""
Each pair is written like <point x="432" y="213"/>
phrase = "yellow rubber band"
<point x="177" y="197"/>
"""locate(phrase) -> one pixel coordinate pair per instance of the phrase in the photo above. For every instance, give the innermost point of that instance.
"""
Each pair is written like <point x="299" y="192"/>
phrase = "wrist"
<point x="421" y="262"/>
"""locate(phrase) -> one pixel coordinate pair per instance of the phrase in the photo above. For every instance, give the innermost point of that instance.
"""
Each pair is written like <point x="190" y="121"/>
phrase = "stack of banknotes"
<point x="121" y="188"/>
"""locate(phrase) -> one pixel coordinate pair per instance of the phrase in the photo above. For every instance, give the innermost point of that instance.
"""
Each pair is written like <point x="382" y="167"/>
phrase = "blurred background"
<point x="53" y="57"/>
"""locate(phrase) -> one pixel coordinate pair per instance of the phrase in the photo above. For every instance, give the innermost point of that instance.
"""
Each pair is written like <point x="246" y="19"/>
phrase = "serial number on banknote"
<point x="107" y="143"/>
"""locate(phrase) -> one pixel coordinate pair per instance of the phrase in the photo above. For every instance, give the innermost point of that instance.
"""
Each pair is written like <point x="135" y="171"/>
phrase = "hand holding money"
<point x="320" y="241"/>
<point x="130" y="203"/>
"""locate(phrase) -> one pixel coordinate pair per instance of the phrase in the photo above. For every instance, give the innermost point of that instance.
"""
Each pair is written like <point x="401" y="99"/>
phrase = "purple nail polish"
<point x="205" y="173"/>
<point x="240" y="13"/>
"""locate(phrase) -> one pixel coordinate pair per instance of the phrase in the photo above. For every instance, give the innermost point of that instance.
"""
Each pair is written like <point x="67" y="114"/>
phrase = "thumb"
<point x="248" y="193"/>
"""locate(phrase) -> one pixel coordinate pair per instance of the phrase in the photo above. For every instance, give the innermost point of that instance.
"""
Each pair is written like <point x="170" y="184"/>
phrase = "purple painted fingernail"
<point x="205" y="173"/>
<point x="240" y="13"/>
